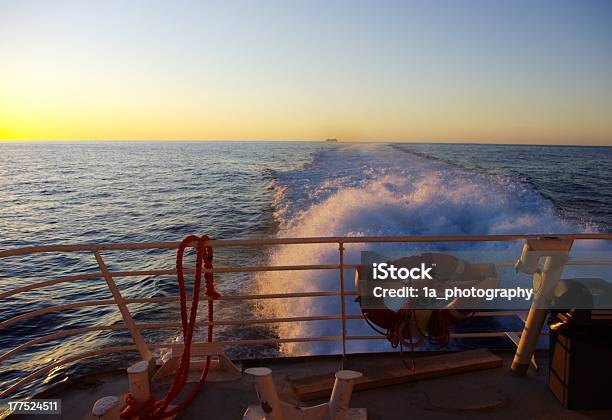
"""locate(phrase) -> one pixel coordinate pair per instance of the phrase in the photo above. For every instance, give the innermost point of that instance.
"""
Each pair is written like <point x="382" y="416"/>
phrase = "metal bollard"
<point x="106" y="408"/>
<point x="266" y="392"/>
<point x="272" y="408"/>
<point x="341" y="394"/>
<point x="138" y="377"/>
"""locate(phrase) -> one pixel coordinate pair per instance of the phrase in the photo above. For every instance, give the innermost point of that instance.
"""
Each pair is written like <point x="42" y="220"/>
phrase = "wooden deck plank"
<point x="320" y="386"/>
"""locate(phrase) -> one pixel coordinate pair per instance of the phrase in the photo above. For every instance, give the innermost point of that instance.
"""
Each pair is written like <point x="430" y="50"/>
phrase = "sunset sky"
<point x="484" y="71"/>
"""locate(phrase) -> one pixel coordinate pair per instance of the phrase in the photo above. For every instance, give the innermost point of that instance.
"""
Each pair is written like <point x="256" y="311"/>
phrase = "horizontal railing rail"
<point x="165" y="272"/>
<point x="135" y="328"/>
<point x="220" y="243"/>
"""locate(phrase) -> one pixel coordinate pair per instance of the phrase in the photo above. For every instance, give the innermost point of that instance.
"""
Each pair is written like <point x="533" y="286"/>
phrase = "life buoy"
<point x="408" y="326"/>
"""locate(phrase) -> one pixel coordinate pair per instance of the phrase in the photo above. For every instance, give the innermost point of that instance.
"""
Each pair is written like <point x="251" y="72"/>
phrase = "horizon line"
<point x="440" y="141"/>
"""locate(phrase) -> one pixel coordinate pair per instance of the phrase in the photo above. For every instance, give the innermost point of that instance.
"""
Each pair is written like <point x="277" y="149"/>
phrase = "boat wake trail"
<point x="376" y="190"/>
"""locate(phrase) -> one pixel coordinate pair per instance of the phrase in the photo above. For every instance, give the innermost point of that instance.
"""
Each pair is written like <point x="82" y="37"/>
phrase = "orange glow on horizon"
<point x="400" y="71"/>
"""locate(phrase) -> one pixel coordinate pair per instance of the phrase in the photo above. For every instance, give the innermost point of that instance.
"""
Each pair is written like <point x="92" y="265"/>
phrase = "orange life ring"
<point x="432" y="323"/>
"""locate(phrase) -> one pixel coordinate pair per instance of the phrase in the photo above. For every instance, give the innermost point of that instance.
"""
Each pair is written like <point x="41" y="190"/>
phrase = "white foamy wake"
<point x="358" y="190"/>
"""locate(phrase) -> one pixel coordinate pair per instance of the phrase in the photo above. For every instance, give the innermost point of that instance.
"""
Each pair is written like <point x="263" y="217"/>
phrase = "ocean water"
<point x="109" y="192"/>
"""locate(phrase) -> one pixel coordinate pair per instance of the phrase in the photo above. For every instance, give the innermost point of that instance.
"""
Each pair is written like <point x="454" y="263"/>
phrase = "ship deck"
<point x="491" y="393"/>
<point x="479" y="394"/>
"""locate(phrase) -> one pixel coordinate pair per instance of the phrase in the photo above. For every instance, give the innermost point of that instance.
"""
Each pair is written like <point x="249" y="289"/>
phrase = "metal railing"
<point x="135" y="329"/>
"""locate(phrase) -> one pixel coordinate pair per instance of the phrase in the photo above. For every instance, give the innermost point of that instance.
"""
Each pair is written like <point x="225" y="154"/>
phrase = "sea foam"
<point x="375" y="190"/>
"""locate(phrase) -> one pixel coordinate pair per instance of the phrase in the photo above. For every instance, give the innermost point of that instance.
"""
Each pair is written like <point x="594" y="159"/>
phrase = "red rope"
<point x="440" y="323"/>
<point x="437" y="329"/>
<point x="400" y="318"/>
<point x="159" y="409"/>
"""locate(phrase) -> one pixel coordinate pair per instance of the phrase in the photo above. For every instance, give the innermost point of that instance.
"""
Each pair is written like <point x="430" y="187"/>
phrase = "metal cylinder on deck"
<point x="106" y="408"/>
<point x="341" y="394"/>
<point x="138" y="377"/>
<point x="266" y="392"/>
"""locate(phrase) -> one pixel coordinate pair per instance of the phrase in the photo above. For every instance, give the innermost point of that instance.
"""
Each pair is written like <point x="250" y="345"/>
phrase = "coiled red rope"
<point x="437" y="330"/>
<point x="160" y="409"/>
<point x="395" y="334"/>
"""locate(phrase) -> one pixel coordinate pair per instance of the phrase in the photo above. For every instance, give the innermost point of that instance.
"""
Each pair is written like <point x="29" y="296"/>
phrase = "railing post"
<point x="342" y="302"/>
<point x="143" y="349"/>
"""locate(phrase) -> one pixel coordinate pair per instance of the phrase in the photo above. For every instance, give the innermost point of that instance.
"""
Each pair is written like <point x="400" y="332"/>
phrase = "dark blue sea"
<point x="95" y="192"/>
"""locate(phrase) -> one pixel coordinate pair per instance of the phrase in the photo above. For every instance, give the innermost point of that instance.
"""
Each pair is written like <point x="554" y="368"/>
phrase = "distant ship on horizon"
<point x="332" y="140"/>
